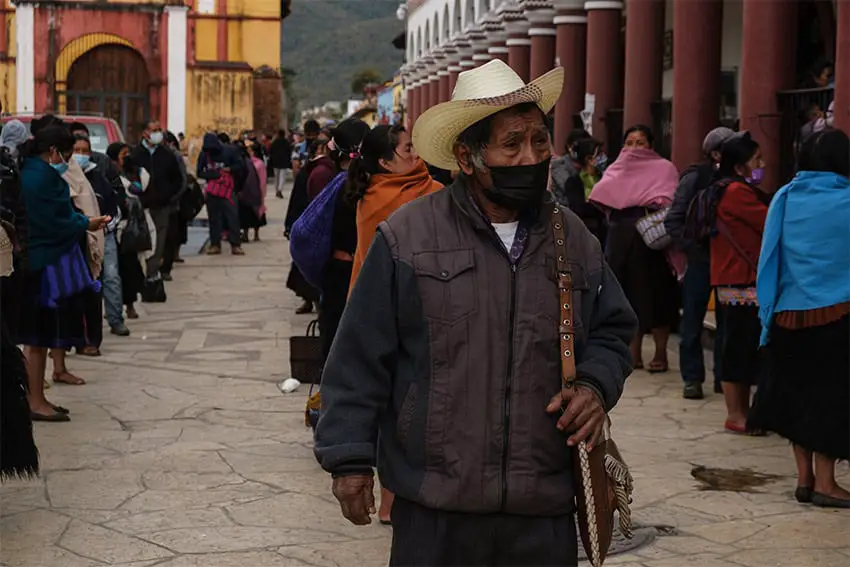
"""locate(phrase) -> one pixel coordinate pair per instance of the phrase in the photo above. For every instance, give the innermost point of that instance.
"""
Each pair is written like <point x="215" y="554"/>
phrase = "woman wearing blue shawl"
<point x="804" y="306"/>
<point x="57" y="275"/>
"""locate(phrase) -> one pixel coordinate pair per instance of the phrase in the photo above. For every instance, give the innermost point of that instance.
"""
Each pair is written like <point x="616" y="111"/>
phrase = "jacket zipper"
<point x="506" y="414"/>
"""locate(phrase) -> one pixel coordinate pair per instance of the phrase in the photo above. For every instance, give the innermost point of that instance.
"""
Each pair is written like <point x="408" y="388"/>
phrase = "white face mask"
<point x="156" y="138"/>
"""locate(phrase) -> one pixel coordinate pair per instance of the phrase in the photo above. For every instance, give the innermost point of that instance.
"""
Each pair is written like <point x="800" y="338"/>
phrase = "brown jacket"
<point x="449" y="355"/>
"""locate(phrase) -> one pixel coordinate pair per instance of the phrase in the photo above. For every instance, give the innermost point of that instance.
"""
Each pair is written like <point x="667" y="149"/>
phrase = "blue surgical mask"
<point x="82" y="160"/>
<point x="60" y="167"/>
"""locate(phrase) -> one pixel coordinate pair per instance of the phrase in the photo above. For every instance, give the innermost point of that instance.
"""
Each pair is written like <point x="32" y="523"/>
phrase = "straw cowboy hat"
<point x="479" y="93"/>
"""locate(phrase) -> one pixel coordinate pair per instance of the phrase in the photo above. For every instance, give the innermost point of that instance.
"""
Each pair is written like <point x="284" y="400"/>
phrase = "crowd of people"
<point x="673" y="242"/>
<point x="93" y="233"/>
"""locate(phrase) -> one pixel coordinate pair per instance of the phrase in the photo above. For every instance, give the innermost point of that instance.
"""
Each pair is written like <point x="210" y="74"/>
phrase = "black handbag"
<point x="306" y="355"/>
<point x="154" y="291"/>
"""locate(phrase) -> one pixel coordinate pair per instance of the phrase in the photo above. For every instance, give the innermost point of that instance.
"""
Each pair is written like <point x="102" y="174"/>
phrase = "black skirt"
<point x="645" y="276"/>
<point x="805" y="394"/>
<point x="739" y="356"/>
<point x="248" y="218"/>
<point x="62" y="327"/>
<point x="298" y="283"/>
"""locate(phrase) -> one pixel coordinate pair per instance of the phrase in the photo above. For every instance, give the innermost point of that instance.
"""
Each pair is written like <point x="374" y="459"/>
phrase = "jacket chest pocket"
<point x="446" y="284"/>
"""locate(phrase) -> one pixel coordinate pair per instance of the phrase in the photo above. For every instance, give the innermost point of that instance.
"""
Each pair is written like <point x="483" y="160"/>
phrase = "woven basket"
<point x="305" y="355"/>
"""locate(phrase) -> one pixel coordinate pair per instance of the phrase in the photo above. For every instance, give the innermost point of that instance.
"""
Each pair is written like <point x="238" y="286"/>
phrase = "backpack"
<point x="310" y="237"/>
<point x="701" y="218"/>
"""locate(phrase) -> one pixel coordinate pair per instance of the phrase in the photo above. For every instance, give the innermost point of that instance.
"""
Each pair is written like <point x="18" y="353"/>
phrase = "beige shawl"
<point x="86" y="201"/>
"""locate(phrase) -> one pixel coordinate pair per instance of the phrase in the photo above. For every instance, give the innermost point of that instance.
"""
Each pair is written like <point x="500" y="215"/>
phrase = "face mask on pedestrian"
<point x="62" y="166"/>
<point x="82" y="160"/>
<point x="156" y="138"/>
<point x="756" y="176"/>
<point x="517" y="187"/>
<point x="600" y="161"/>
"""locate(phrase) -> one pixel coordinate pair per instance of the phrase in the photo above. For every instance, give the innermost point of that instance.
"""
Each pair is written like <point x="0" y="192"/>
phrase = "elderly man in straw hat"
<point x="446" y="369"/>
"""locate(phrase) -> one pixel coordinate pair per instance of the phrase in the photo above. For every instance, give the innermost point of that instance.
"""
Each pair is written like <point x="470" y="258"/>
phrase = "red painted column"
<point x="434" y="89"/>
<point x="542" y="33"/>
<point x="604" y="73"/>
<point x="519" y="44"/>
<point x="454" y="71"/>
<point x="644" y="53"/>
<point x="480" y="45"/>
<point x="445" y="93"/>
<point x="499" y="51"/>
<point x="570" y="54"/>
<point x="768" y="55"/>
<point x="519" y="56"/>
<point x="416" y="101"/>
<point x="842" y="67"/>
<point x="221" y="41"/>
<point x="697" y="44"/>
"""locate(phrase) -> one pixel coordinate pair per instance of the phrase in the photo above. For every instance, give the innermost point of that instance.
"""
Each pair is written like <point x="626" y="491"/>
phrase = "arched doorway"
<point x="113" y="80"/>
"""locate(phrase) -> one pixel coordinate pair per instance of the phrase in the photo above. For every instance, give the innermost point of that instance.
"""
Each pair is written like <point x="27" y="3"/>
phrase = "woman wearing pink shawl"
<point x="638" y="182"/>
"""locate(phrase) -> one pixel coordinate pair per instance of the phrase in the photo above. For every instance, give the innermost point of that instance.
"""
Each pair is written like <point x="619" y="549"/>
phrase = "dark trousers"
<point x="696" y="292"/>
<point x="433" y="538"/>
<point x="223" y="212"/>
<point x="334" y="297"/>
<point x="93" y="312"/>
<point x="172" y="243"/>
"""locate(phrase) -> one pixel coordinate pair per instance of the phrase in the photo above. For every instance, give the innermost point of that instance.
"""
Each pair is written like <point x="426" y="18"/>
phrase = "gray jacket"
<point x="447" y="356"/>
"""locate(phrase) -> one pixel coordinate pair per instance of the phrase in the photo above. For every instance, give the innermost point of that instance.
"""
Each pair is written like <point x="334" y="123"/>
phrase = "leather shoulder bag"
<point x="603" y="482"/>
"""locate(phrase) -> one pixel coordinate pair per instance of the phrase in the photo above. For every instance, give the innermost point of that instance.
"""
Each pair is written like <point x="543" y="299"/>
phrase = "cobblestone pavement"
<point x="183" y="453"/>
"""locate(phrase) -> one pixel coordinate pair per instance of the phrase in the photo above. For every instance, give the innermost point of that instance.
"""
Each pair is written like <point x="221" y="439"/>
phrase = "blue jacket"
<point x="54" y="226"/>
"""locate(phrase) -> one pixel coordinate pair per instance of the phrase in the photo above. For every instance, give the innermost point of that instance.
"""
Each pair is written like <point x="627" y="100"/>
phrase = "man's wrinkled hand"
<point x="356" y="497"/>
<point x="583" y="415"/>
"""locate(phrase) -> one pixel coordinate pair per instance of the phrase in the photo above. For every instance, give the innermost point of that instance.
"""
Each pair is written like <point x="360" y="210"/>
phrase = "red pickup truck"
<point x="102" y="131"/>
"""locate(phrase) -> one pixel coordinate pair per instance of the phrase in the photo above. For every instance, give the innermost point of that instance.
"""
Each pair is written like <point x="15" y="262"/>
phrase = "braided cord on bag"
<point x="590" y="504"/>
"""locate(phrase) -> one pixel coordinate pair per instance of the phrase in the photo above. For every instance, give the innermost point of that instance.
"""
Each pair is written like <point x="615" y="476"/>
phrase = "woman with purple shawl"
<point x="637" y="183"/>
<point x="58" y="275"/>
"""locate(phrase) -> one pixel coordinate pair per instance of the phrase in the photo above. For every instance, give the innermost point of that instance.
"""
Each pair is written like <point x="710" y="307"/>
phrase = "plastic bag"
<point x="136" y="236"/>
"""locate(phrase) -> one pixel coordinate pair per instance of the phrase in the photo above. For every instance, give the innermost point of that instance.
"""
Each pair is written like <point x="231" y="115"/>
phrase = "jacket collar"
<point x="537" y="220"/>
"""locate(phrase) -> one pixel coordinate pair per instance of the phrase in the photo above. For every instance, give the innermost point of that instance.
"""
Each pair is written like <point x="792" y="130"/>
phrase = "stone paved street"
<point x="182" y="452"/>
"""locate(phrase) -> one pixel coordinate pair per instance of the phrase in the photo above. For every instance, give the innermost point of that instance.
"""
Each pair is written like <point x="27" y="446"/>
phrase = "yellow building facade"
<point x="196" y="65"/>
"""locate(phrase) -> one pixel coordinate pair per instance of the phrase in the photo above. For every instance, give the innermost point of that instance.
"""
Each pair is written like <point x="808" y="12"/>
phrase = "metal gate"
<point x="111" y="80"/>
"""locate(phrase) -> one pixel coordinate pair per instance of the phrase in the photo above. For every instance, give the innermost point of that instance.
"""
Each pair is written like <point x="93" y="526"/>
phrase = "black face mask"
<point x="518" y="187"/>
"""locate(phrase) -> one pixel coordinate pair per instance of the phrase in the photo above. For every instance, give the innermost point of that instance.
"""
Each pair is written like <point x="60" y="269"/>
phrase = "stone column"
<point x="461" y="61"/>
<point x="604" y="72"/>
<point x="767" y="66"/>
<point x="439" y="65"/>
<point x="644" y="65"/>
<point x="480" y="45"/>
<point x="570" y="53"/>
<point x="444" y="72"/>
<point x="177" y="46"/>
<point x="25" y="57"/>
<point x="842" y="67"/>
<point x="497" y="36"/>
<point x="697" y="44"/>
<point x="540" y="15"/>
<point x="518" y="42"/>
<point x="429" y="75"/>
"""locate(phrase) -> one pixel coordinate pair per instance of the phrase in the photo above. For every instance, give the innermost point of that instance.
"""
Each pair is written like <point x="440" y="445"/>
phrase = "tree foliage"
<point x="364" y="77"/>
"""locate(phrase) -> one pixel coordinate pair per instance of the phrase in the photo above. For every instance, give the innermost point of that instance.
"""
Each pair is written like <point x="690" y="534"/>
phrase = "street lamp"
<point x="401" y="12"/>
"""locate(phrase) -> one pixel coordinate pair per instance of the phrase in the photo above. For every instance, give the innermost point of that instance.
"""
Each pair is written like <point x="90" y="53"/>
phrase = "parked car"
<point x="102" y="130"/>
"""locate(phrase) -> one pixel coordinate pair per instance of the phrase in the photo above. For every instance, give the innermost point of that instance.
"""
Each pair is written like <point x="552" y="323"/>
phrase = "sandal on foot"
<point x="54" y="417"/>
<point x="59" y="409"/>
<point x="68" y="378"/>
<point x="89" y="351"/>
<point x="658" y="367"/>
<point x="732" y="427"/>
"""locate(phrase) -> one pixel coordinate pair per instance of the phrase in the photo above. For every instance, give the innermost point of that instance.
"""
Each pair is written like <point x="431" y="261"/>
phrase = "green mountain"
<point x="327" y="41"/>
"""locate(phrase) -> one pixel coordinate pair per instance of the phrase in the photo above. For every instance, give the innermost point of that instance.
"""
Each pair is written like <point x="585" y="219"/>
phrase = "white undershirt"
<point x="506" y="232"/>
